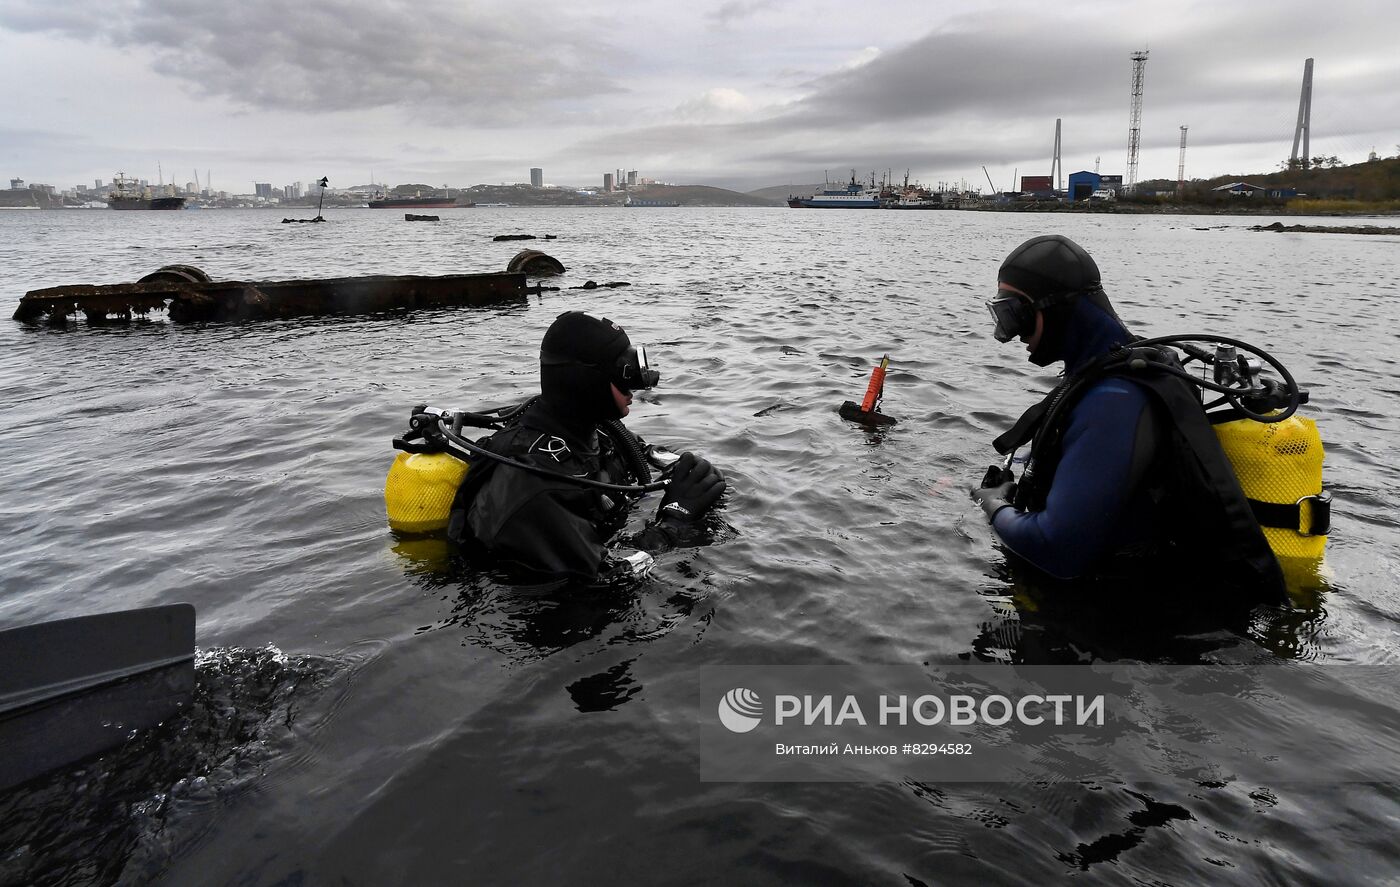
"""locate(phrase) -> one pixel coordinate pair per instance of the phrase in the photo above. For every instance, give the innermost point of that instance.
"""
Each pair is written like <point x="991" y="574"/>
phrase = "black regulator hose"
<point x="1233" y="395"/>
<point x="489" y="417"/>
<point x="631" y="450"/>
<point x="457" y="440"/>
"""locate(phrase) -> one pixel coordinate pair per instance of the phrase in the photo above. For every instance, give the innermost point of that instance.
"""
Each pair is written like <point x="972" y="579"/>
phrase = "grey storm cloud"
<point x="732" y="11"/>
<point x="975" y="91"/>
<point x="17" y="137"/>
<point x="340" y="55"/>
<point x="1077" y="66"/>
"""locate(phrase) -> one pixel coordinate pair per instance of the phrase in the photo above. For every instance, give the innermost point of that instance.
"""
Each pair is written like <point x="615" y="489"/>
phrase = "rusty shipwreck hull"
<point x="205" y="300"/>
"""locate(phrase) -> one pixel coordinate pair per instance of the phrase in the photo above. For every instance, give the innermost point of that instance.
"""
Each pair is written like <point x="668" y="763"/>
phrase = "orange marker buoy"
<point x="876" y="389"/>
<point x="865" y="411"/>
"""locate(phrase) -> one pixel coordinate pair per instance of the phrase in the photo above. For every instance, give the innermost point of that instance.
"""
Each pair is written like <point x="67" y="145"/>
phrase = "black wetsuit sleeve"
<point x="663" y="535"/>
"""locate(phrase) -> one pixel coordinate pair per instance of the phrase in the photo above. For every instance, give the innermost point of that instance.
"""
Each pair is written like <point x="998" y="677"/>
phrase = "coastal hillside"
<point x="28" y="198"/>
<point x="700" y="195"/>
<point x="685" y="195"/>
<point x="781" y="193"/>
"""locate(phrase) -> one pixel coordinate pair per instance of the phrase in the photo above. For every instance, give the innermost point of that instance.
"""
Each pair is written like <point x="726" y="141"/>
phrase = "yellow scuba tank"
<point x="1279" y="466"/>
<point x="419" y="490"/>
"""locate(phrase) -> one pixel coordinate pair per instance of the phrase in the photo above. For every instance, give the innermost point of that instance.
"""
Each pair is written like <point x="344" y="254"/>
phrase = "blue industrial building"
<point x="1083" y="183"/>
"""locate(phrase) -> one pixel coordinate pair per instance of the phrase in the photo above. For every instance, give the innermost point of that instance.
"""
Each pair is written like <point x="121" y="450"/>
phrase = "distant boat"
<point x="920" y="200"/>
<point x="631" y="201"/>
<point x="125" y="196"/>
<point x="850" y="196"/>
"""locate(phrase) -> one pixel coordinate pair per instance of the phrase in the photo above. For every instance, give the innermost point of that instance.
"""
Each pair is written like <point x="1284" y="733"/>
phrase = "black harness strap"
<point x="1290" y="517"/>
<point x="1028" y="426"/>
<point x="480" y="470"/>
<point x="1024" y="429"/>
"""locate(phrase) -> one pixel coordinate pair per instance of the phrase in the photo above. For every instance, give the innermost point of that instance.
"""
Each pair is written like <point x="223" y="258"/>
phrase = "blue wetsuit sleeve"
<point x="1093" y="482"/>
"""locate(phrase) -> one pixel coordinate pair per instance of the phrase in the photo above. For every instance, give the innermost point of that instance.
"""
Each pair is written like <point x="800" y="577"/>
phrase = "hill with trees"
<point x="1373" y="186"/>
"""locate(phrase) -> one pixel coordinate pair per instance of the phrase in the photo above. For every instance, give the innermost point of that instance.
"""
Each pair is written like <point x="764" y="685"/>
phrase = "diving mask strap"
<point x="1063" y="298"/>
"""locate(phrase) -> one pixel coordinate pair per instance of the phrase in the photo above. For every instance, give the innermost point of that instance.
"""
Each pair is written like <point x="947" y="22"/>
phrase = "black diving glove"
<point x="695" y="487"/>
<point x="994" y="499"/>
<point x="996" y="476"/>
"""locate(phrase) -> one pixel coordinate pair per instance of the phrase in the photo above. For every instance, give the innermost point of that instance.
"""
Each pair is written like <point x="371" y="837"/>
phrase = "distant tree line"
<point x="1318" y="162"/>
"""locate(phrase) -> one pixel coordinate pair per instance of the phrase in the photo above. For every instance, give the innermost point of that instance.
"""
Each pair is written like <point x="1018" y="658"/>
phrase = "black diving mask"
<point x="1014" y="315"/>
<point x="632" y="371"/>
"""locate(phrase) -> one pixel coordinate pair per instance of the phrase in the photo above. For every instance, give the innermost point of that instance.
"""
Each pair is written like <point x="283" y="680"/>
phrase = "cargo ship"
<point x="416" y="202"/>
<point x="126" y="196"/>
<point x="853" y="195"/>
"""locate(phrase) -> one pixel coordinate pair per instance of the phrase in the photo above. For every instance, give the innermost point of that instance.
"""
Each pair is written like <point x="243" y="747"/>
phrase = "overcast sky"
<point x="737" y="93"/>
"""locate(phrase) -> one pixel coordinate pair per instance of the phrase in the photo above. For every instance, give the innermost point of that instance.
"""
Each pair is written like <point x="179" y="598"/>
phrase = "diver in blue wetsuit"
<point x="1097" y="496"/>
<point x="1124" y="457"/>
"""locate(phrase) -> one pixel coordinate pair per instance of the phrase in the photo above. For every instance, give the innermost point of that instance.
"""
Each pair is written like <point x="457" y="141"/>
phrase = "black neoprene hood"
<point x="576" y="359"/>
<point x="576" y="335"/>
<point x="1049" y="265"/>
<point x="1055" y="272"/>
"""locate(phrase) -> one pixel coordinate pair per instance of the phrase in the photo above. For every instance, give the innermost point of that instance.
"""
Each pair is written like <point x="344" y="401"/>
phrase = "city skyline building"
<point x="536" y="177"/>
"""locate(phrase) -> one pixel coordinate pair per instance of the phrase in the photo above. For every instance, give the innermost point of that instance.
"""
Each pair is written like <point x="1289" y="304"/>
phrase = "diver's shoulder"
<point x="1120" y="392"/>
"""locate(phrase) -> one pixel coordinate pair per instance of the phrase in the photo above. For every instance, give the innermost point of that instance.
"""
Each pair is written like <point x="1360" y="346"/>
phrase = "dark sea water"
<point x="364" y="717"/>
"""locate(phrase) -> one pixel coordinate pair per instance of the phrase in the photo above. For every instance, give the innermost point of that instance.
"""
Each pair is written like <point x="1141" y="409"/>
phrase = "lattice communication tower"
<point x="1135" y="122"/>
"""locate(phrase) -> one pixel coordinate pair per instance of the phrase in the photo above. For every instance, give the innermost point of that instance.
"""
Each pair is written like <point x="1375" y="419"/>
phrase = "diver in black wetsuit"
<point x="553" y="529"/>
<point x="1122" y="460"/>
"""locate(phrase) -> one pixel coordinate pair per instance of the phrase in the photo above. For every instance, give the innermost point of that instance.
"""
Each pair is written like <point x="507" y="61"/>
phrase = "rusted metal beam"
<point x="244" y="300"/>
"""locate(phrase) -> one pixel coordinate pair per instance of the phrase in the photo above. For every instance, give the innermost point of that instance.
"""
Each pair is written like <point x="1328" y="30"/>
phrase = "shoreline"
<point x="1044" y="207"/>
<point x="1187" y="210"/>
